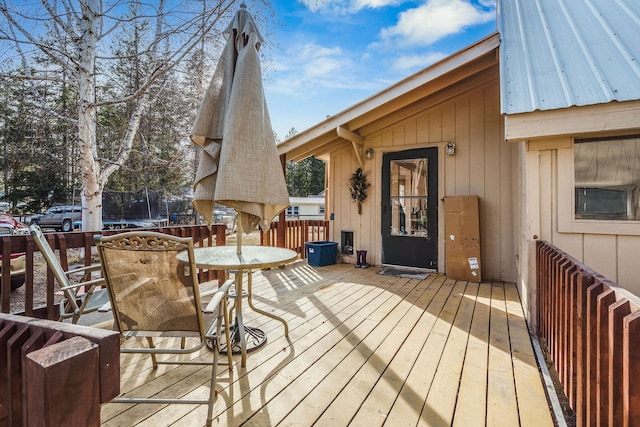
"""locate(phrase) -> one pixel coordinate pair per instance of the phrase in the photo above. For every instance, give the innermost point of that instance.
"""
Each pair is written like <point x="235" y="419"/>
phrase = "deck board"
<point x="502" y="405"/>
<point x="472" y="396"/>
<point x="363" y="349"/>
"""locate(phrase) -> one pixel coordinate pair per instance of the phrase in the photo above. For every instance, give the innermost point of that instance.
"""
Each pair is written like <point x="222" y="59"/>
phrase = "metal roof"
<point x="563" y="53"/>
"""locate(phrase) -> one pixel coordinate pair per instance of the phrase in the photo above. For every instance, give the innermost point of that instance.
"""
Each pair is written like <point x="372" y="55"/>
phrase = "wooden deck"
<point x="364" y="350"/>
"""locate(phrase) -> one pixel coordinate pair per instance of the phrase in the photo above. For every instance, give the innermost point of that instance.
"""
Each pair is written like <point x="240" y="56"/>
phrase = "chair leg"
<point x="214" y="373"/>
<point x="153" y="356"/>
<point x="227" y="333"/>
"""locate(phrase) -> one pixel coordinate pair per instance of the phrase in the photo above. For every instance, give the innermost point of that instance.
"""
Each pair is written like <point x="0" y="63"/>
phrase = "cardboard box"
<point x="462" y="238"/>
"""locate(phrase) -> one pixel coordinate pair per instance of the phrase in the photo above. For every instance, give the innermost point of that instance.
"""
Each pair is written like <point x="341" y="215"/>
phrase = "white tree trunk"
<point x="92" y="184"/>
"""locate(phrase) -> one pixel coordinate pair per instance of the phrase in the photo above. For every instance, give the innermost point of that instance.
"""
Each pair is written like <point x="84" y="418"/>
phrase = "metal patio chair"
<point x="153" y="295"/>
<point x="80" y="297"/>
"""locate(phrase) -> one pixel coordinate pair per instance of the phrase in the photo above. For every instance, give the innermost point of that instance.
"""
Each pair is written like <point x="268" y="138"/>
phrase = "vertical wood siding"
<point x="483" y="165"/>
<point x="612" y="255"/>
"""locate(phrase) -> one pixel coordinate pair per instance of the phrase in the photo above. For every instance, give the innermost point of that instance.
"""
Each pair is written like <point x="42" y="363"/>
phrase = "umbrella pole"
<point x="239" y="234"/>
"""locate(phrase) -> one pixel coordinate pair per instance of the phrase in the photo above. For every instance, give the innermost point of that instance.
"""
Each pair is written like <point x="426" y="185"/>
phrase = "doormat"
<point x="403" y="273"/>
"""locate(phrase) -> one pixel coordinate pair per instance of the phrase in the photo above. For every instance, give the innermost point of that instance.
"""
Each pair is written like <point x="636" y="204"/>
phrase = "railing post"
<point x="617" y="312"/>
<point x="591" y="374"/>
<point x="6" y="273"/>
<point x="49" y="379"/>
<point x="28" y="280"/>
<point x="579" y="376"/>
<point x="631" y="370"/>
<point x="605" y="299"/>
<point x="282" y="230"/>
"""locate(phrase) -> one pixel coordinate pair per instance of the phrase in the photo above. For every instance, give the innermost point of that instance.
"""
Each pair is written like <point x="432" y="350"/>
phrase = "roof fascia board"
<point x="591" y="119"/>
<point x="436" y="70"/>
<point x="306" y="150"/>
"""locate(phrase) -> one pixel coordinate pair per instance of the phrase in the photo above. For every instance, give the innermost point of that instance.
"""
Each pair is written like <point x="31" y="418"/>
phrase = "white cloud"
<point x="316" y="5"/>
<point x="416" y="62"/>
<point x="372" y="4"/>
<point x="434" y="20"/>
<point x="312" y="51"/>
<point x="347" y="6"/>
<point x="310" y="68"/>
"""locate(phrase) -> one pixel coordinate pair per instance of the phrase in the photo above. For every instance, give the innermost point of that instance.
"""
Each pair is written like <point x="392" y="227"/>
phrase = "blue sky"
<point x="327" y="55"/>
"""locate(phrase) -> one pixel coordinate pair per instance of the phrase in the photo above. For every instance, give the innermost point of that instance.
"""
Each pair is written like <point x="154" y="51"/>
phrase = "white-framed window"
<point x="321" y="209"/>
<point x="293" y="210"/>
<point x="595" y="188"/>
<point x="607" y="178"/>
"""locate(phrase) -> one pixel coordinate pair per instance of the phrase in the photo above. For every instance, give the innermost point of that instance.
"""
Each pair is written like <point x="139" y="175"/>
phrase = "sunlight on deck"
<point x="363" y="350"/>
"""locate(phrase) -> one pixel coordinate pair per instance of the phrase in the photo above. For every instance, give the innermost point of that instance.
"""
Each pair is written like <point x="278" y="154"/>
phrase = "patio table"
<point x="252" y="257"/>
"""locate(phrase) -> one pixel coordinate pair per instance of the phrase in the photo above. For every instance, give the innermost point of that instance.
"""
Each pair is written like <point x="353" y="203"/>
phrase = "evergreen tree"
<point x="305" y="178"/>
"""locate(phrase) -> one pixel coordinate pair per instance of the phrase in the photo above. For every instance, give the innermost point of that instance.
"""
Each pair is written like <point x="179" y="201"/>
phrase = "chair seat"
<point x="99" y="298"/>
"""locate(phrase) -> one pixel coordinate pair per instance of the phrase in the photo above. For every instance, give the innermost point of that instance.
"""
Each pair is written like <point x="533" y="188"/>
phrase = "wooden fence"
<point x="297" y="233"/>
<point x="590" y="328"/>
<point x="62" y="242"/>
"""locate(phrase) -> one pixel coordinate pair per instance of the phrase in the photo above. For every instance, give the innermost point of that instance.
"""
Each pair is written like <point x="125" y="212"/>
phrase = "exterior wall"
<point x="483" y="165"/>
<point x="308" y="208"/>
<point x="609" y="248"/>
<point x="546" y="189"/>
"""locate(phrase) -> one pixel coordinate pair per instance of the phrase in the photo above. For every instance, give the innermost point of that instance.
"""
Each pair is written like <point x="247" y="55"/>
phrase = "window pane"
<point x="607" y="174"/>
<point x="409" y="197"/>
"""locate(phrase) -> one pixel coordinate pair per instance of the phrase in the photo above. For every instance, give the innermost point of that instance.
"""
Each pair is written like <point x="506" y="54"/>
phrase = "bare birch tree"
<point x="75" y="35"/>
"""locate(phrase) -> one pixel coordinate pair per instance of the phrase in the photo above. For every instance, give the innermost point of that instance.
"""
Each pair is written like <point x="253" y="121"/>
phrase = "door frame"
<point x="434" y="199"/>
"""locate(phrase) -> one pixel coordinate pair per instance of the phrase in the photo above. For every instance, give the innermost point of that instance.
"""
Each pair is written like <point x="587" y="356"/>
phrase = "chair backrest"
<point x="150" y="289"/>
<point x="49" y="256"/>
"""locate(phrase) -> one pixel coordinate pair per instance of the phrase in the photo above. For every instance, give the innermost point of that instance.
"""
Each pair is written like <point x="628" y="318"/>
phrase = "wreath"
<point x="358" y="189"/>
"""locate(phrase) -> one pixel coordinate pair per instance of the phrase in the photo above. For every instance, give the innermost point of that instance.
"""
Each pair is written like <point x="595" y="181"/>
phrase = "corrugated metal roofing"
<point x="563" y="53"/>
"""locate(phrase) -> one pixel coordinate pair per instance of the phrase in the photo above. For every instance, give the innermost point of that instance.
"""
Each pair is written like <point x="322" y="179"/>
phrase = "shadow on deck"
<point x="363" y="349"/>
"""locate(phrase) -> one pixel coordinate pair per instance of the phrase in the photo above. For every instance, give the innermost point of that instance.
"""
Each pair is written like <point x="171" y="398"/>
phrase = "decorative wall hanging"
<point x="358" y="189"/>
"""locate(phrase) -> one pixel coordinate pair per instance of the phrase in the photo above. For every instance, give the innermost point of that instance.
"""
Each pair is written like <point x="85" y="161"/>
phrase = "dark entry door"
<point x="410" y="208"/>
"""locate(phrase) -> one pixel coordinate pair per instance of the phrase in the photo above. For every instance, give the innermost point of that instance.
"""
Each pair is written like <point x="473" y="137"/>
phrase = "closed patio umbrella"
<point x="239" y="165"/>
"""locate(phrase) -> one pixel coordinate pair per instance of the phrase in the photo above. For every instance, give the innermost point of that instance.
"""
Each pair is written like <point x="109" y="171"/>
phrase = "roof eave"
<point x="326" y="129"/>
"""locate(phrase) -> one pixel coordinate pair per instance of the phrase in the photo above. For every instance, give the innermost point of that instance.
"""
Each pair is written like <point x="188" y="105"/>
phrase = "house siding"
<point x="612" y="254"/>
<point x="483" y="165"/>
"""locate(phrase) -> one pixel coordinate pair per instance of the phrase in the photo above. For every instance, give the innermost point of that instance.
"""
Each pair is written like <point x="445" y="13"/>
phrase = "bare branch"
<point x="30" y="38"/>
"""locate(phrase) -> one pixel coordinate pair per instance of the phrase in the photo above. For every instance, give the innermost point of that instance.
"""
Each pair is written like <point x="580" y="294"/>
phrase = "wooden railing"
<point x="297" y="233"/>
<point x="54" y="373"/>
<point x="62" y="242"/>
<point x="590" y="328"/>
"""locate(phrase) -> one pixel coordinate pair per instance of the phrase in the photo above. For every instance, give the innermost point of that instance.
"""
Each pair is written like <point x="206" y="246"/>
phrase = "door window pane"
<point x="606" y="176"/>
<point x="408" y="193"/>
